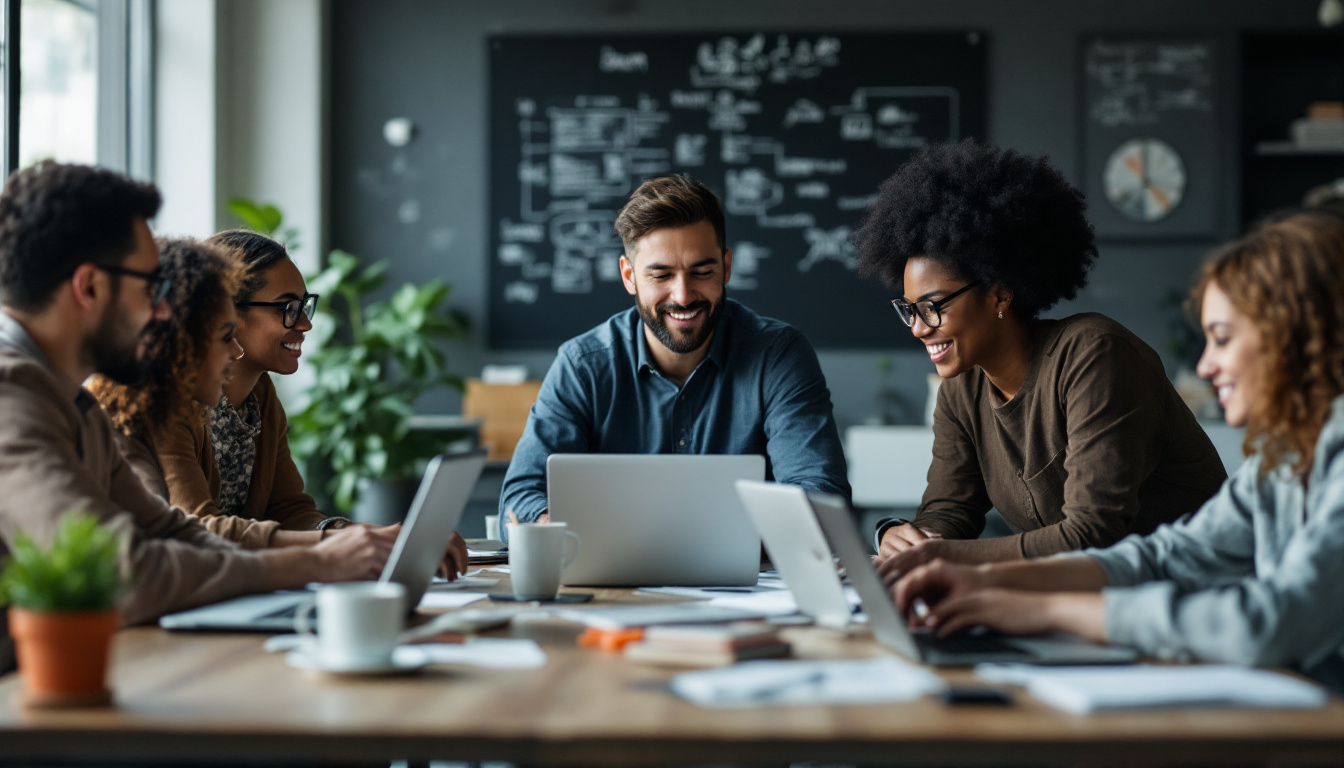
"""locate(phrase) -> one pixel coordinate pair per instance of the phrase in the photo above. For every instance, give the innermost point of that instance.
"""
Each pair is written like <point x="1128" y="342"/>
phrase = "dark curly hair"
<point x="54" y="217"/>
<point x="986" y="213"/>
<point x="258" y="254"/>
<point x="1287" y="277"/>
<point x="205" y="279"/>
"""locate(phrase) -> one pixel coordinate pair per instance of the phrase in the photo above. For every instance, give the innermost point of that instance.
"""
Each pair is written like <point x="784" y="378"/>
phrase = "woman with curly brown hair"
<point x="1253" y="577"/>
<point x="188" y="358"/>
<point x="234" y="471"/>
<point x="1068" y="427"/>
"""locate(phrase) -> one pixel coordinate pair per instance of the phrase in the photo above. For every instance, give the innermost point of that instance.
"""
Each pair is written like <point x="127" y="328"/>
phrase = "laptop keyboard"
<point x="967" y="643"/>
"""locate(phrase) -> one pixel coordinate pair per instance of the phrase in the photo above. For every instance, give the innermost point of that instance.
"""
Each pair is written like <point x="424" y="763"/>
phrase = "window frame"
<point x="125" y="108"/>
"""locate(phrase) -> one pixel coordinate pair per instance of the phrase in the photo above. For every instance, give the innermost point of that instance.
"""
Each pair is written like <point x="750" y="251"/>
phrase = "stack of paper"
<point x="1087" y="689"/>
<point x="758" y="683"/>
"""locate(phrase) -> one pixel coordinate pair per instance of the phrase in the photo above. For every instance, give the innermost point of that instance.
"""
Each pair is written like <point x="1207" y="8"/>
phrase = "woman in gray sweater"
<point x="1254" y="576"/>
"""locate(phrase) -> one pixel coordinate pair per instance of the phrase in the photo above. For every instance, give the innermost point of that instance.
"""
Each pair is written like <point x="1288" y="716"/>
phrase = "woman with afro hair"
<point x="1068" y="427"/>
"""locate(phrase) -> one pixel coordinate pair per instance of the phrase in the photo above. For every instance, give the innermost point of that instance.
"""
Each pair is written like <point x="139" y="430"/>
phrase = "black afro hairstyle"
<point x="986" y="213"/>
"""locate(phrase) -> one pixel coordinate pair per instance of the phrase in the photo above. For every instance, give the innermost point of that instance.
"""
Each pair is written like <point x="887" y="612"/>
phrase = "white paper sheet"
<point x="710" y="593"/>
<point x="449" y="599"/>
<point x="1087" y="689"/>
<point x="765" y="683"/>
<point x="777" y="602"/>
<point x="466" y="582"/>
<point x="493" y="652"/>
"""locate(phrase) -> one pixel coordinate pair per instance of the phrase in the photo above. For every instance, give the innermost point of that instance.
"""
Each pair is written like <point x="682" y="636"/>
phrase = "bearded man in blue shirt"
<point x="686" y="370"/>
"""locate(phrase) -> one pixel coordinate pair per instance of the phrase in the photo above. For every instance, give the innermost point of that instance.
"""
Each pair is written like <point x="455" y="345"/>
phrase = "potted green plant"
<point x="62" y="612"/>
<point x="373" y="361"/>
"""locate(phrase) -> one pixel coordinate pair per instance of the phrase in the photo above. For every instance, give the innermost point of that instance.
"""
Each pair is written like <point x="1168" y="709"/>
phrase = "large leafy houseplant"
<point x="63" y="610"/>
<point x="373" y="361"/>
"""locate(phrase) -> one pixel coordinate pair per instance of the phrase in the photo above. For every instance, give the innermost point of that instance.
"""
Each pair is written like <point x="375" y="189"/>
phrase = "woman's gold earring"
<point x="1000" y="315"/>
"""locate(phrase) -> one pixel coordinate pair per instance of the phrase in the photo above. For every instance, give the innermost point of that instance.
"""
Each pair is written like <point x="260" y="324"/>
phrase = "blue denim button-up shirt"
<point x="759" y="390"/>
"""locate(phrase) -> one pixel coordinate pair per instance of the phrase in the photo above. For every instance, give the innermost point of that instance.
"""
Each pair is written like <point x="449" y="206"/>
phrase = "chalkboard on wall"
<point x="793" y="131"/>
<point x="1153" y="130"/>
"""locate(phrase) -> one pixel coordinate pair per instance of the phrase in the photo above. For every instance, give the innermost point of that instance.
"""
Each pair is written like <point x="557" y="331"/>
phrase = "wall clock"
<point x="1144" y="179"/>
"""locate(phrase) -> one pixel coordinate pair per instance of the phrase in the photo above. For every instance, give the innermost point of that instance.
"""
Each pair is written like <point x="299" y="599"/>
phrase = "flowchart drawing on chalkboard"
<point x="794" y="132"/>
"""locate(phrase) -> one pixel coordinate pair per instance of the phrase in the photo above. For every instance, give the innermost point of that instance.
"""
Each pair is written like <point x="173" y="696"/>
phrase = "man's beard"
<point x="681" y="343"/>
<point x="114" y="355"/>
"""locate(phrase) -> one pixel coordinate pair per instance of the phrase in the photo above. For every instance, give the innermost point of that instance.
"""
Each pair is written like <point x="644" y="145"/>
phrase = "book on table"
<point x="708" y="645"/>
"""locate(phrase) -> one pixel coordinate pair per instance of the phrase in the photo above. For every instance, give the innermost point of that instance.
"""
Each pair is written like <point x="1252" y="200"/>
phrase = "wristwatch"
<point x="333" y="522"/>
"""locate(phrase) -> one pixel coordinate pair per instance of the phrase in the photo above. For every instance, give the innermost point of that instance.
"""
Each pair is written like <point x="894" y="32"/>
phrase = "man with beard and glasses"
<point x="686" y="370"/>
<point x="79" y="284"/>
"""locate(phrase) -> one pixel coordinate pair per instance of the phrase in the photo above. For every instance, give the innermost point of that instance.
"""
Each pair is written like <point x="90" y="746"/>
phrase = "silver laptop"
<point x="959" y="650"/>
<point x="656" y="520"/>
<point x="443" y="493"/>
<point x="798" y="549"/>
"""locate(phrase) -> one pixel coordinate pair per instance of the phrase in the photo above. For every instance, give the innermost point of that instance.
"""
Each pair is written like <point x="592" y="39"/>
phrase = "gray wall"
<point x="426" y="59"/>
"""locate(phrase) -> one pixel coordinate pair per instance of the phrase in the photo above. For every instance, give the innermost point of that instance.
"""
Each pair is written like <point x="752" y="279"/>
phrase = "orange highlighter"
<point x="610" y="639"/>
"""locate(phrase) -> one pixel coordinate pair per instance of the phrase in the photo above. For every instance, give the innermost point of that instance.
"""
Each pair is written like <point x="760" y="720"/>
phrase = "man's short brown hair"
<point x="669" y="202"/>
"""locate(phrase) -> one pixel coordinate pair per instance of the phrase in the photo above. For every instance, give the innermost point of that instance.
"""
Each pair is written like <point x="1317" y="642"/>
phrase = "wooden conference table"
<point x="217" y="697"/>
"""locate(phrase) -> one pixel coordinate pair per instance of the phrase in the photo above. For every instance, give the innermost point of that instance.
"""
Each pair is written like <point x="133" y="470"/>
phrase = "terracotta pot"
<point x="63" y="656"/>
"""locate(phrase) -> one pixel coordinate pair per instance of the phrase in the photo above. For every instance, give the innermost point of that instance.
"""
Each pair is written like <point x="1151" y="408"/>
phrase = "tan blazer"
<point x="276" y="499"/>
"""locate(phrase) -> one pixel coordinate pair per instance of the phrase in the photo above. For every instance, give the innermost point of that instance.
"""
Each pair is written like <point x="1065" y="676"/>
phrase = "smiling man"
<point x="686" y="370"/>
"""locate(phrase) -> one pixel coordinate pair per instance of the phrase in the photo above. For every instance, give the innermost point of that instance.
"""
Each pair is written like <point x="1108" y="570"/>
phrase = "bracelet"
<point x="333" y="522"/>
<point x="884" y="525"/>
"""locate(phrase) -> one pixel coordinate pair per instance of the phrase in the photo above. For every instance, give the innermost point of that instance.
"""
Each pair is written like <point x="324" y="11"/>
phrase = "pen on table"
<point x="726" y="589"/>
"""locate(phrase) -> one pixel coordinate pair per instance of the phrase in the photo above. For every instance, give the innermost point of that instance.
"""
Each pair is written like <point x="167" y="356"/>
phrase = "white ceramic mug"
<point x="357" y="623"/>
<point x="538" y="554"/>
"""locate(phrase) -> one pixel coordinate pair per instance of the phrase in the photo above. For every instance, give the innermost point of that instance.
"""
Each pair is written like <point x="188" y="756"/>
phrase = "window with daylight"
<point x="77" y="82"/>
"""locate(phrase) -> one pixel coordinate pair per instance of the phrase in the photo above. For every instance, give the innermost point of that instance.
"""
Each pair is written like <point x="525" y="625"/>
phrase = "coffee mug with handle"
<point x="357" y="624"/>
<point x="538" y="554"/>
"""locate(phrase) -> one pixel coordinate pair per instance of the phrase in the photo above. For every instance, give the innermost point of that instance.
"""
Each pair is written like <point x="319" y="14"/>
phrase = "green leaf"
<point x="373" y="360"/>
<point x="260" y="217"/>
<point x="79" y="571"/>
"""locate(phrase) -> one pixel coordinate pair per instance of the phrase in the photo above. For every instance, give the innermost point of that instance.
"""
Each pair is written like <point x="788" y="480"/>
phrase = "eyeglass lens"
<point x="158" y="290"/>
<point x="306" y="305"/>
<point x="924" y="309"/>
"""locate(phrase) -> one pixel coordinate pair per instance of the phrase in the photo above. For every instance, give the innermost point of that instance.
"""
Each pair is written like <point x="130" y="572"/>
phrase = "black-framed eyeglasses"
<point x="156" y="283"/>
<point x="931" y="312"/>
<point x="289" y="310"/>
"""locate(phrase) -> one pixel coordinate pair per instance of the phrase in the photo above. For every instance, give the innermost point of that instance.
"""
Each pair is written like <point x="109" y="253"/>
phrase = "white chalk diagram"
<point x="1138" y="82"/>
<point x="580" y="161"/>
<point x="828" y="245"/>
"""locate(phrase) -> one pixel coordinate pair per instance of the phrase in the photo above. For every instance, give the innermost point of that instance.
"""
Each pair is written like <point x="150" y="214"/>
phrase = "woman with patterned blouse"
<point x="236" y="472"/>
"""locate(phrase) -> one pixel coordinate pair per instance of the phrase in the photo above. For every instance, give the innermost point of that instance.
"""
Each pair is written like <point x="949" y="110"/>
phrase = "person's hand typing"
<point x="355" y="553"/>
<point x="454" y="562"/>
<point x="893" y="567"/>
